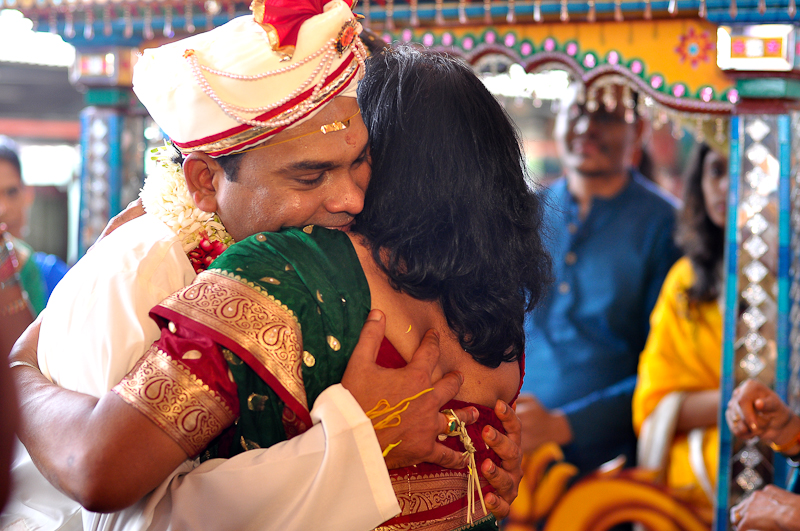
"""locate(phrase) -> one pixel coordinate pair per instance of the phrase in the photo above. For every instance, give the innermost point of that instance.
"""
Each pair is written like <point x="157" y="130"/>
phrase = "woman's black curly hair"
<point x="449" y="213"/>
<point x="700" y="239"/>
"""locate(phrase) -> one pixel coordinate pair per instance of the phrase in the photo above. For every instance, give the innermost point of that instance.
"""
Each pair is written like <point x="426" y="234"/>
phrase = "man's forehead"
<point x="318" y="150"/>
<point x="315" y="151"/>
<point x="340" y="109"/>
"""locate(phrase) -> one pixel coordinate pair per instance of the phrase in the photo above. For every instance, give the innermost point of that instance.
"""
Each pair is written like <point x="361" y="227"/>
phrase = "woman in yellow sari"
<point x="679" y="369"/>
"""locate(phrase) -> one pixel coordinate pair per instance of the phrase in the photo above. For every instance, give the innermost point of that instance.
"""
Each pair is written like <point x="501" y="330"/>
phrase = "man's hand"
<point x="422" y="421"/>
<point x="132" y="211"/>
<point x="770" y="509"/>
<point x="540" y="425"/>
<point x="506" y="479"/>
<point x="754" y="410"/>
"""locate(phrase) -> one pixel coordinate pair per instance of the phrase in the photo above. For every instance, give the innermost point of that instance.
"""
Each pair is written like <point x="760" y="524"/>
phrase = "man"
<point x="612" y="247"/>
<point x="288" y="81"/>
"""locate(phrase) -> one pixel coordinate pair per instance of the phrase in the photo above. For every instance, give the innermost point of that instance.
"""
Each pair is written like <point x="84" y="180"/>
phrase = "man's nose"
<point x="347" y="195"/>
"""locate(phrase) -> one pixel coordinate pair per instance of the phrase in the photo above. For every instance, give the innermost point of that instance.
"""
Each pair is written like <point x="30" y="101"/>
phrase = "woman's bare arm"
<point x="102" y="452"/>
<point x="699" y="410"/>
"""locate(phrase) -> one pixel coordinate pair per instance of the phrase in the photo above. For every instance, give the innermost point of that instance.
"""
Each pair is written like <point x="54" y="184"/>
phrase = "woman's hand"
<point x="505" y="479"/>
<point x="770" y="509"/>
<point x="754" y="410"/>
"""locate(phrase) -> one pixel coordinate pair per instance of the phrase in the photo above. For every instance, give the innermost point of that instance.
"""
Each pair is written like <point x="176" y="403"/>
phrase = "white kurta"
<point x="96" y="327"/>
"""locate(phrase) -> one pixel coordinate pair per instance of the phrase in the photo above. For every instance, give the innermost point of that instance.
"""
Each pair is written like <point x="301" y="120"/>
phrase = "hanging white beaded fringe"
<point x="328" y="54"/>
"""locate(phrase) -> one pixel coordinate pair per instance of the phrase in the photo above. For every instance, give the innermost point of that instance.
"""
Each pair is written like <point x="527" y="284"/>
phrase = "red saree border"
<point x="435" y="502"/>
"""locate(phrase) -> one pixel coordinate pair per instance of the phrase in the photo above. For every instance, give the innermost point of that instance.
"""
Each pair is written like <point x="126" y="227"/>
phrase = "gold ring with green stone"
<point x="453" y="422"/>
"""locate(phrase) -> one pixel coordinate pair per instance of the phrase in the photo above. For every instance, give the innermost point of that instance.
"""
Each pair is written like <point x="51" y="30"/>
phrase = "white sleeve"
<point x="97" y="326"/>
<point x="332" y="477"/>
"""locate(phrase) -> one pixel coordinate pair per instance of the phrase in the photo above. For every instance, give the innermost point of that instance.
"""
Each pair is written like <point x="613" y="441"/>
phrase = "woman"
<point x="679" y="369"/>
<point x="449" y="239"/>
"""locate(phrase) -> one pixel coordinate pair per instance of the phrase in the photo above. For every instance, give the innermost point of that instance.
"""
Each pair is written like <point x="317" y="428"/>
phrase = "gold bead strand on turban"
<point x="232" y="88"/>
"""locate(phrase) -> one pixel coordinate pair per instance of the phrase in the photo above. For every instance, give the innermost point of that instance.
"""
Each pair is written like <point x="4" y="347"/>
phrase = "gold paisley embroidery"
<point x="417" y="494"/>
<point x="452" y="522"/>
<point x="165" y="391"/>
<point x="246" y="313"/>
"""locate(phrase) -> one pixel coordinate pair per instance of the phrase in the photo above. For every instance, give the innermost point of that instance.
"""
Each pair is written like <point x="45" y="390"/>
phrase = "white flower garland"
<point x="165" y="196"/>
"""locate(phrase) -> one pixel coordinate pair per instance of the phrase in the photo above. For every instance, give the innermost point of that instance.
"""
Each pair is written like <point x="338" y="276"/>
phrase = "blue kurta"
<point x="583" y="341"/>
<point x="52" y="270"/>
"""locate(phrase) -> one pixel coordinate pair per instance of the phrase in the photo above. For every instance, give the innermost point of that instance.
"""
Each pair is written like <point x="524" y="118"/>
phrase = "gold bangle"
<point x="781" y="448"/>
<point x="23" y="364"/>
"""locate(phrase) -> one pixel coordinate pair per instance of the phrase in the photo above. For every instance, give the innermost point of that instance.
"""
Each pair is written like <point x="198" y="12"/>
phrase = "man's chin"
<point x="591" y="171"/>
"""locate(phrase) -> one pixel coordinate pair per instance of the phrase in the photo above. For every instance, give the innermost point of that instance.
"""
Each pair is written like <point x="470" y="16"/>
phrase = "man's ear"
<point x="202" y="173"/>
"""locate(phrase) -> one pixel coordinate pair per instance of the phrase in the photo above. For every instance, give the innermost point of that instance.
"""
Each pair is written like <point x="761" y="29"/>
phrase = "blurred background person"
<point x="611" y="238"/>
<point x="665" y="155"/>
<point x="755" y="411"/>
<point x="679" y="369"/>
<point x="39" y="272"/>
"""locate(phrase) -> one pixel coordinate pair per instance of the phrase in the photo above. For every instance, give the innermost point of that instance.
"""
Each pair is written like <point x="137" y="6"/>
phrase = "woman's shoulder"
<point x="297" y="263"/>
<point x="680" y="276"/>
<point x="310" y="246"/>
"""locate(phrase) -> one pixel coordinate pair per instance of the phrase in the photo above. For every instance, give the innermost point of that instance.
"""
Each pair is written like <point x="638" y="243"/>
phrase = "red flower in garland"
<point x="205" y="253"/>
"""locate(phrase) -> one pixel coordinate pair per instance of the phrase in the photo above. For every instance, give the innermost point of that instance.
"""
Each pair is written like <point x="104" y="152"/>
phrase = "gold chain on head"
<point x="325" y="129"/>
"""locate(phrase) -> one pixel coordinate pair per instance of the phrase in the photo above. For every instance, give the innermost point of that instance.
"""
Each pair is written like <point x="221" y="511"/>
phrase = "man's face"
<point x="14" y="199"/>
<point x="595" y="144"/>
<point x="318" y="179"/>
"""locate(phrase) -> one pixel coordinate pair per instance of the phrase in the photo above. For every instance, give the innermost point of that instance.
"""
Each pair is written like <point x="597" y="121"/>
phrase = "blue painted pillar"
<point x="112" y="139"/>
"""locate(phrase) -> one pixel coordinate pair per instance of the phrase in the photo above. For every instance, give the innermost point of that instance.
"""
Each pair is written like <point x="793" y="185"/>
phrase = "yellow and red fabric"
<point x="682" y="353"/>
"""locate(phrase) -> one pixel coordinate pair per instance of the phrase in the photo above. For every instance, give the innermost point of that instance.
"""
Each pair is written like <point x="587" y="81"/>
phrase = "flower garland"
<point x="165" y="196"/>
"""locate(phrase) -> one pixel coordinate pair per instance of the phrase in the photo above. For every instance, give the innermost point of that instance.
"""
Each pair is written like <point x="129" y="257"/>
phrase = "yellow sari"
<point x="682" y="353"/>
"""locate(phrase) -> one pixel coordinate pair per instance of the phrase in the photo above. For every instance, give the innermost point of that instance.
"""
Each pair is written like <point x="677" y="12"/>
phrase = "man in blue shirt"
<point x="611" y="240"/>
